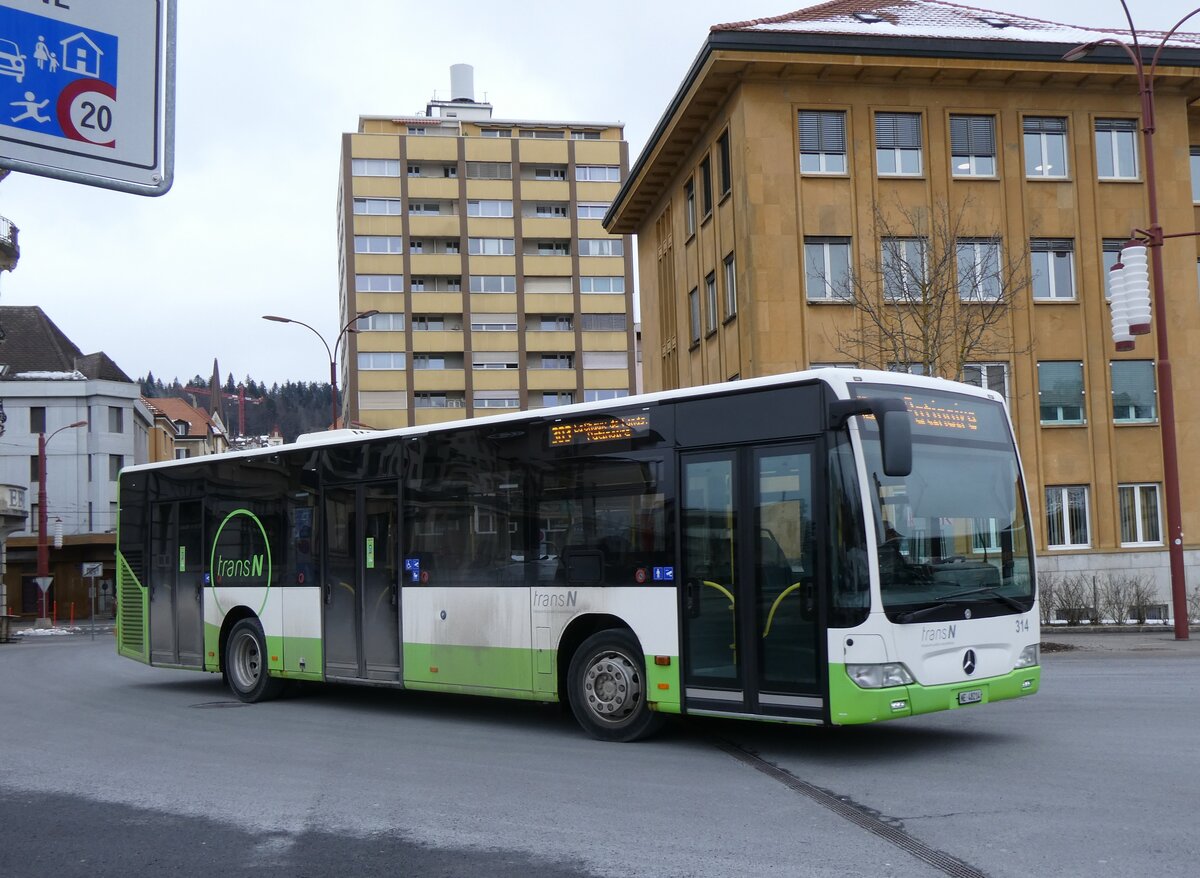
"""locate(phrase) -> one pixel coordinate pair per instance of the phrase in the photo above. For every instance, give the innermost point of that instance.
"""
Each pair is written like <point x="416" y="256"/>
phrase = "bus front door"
<point x="750" y="620"/>
<point x="177" y="584"/>
<point x="362" y="583"/>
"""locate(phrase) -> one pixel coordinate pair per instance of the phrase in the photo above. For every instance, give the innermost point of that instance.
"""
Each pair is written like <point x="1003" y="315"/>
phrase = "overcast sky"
<point x="265" y="89"/>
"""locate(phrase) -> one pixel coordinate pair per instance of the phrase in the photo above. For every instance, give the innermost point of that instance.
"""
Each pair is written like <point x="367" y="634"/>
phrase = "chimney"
<point x="462" y="83"/>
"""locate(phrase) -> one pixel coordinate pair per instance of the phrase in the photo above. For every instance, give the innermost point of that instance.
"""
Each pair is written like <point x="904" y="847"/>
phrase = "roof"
<point x="936" y="19"/>
<point x="200" y="423"/>
<point x="32" y="346"/>
<point x="881" y="33"/>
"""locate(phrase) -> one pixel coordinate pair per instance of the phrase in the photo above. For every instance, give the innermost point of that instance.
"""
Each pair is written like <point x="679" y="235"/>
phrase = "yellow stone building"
<point x="479" y="243"/>
<point x="819" y="173"/>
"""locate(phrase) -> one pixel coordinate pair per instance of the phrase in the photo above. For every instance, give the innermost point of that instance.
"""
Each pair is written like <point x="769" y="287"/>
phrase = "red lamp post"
<point x="43" y="548"/>
<point x="1154" y="241"/>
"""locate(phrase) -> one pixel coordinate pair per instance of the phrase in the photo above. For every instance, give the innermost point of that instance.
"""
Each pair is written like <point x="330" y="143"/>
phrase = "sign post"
<point x="87" y="91"/>
<point x="92" y="569"/>
<point x="43" y="584"/>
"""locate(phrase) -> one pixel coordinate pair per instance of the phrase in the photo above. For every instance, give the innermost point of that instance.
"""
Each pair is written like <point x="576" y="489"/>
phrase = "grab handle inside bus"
<point x="895" y="429"/>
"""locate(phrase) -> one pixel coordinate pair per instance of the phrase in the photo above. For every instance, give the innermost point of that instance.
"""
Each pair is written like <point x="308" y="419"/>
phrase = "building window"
<point x="379" y="283"/>
<point x="496" y="132"/>
<point x="1140" y="521"/>
<point x="689" y="206"/>
<point x="1045" y="146"/>
<point x="552" y="248"/>
<point x="116" y="462"/>
<point x="598" y="173"/>
<point x="1060" y="392"/>
<point x="898" y="144"/>
<point x="601" y="247"/>
<point x="1067" y="517"/>
<point x="438" y="400"/>
<point x="429" y="322"/>
<point x="1110" y="254"/>
<point x="416" y="130"/>
<point x="559" y="322"/>
<point x="1116" y="149"/>
<point x="730" y="287"/>
<point x="1195" y="165"/>
<point x="1133" y="392"/>
<point x="585" y="135"/>
<point x="555" y="173"/>
<point x="822" y="141"/>
<point x="494" y="360"/>
<point x="706" y="196"/>
<point x="35" y="468"/>
<point x="598" y="395"/>
<point x="724" y="168"/>
<point x="973" y="146"/>
<point x="428" y="208"/>
<point x="903" y="269"/>
<point x="588" y="210"/>
<point x="553" y="398"/>
<point x="489" y="170"/>
<point x="493" y="322"/>
<point x="541" y="134"/>
<point x="1052" y="261"/>
<point x="373" y="360"/>
<point x="710" y="300"/>
<point x="602" y="284"/>
<point x="116" y="419"/>
<point x="37" y="419"/>
<point x="827" y="269"/>
<point x="991" y="376"/>
<point x="555" y="361"/>
<point x="497" y="399"/>
<point x="429" y="362"/>
<point x="392" y="322"/>
<point x="378" y="206"/>
<point x="493" y="283"/>
<point x="413" y="170"/>
<point x="490" y="246"/>
<point x="694" y="316"/>
<point x="978" y="269"/>
<point x="489" y="207"/>
<point x="378" y="244"/>
<point x="375" y="167"/>
<point x="602" y="322"/>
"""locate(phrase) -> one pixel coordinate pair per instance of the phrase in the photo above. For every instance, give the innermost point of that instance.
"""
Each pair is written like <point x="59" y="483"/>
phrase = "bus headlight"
<point x="879" y="676"/>
<point x="1028" y="657"/>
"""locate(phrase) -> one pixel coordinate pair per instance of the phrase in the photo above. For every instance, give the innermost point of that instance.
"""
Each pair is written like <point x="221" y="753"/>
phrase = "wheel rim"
<point x="245" y="661"/>
<point x="612" y="687"/>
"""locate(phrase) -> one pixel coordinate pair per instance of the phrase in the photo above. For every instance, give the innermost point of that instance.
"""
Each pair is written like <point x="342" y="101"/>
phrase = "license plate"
<point x="971" y="696"/>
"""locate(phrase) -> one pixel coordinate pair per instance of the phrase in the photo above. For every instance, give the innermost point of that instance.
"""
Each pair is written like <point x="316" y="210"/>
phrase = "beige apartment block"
<point x="798" y="149"/>
<point x="480" y="243"/>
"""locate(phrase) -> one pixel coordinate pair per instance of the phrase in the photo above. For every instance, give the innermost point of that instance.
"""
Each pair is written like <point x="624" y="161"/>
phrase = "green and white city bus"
<point x="827" y="547"/>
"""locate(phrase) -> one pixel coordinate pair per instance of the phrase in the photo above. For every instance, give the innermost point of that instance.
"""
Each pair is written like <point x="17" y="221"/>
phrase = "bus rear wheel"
<point x="606" y="685"/>
<point x="245" y="664"/>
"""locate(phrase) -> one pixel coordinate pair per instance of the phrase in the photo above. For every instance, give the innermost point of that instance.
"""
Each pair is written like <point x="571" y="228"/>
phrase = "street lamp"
<point x="44" y="579"/>
<point x="1154" y="241"/>
<point x="348" y="328"/>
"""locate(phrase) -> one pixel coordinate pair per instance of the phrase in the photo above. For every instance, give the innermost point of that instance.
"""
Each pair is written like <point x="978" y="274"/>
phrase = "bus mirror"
<point x="896" y="443"/>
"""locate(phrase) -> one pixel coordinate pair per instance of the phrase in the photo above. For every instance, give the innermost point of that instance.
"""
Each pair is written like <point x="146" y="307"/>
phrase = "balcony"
<point x="10" y="251"/>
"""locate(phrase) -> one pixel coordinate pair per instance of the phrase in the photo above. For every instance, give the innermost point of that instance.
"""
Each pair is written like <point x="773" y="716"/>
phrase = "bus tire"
<point x="245" y="664"/>
<point x="606" y="686"/>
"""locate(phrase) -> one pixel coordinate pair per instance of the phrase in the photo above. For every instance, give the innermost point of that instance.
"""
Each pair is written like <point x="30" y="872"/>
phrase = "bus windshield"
<point x="952" y="535"/>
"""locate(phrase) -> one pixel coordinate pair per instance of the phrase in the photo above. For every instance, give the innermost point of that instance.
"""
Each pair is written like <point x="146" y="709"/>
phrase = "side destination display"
<point x="603" y="428"/>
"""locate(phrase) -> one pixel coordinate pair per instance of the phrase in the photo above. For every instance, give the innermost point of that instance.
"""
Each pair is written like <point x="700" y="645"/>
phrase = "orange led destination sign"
<point x="605" y="428"/>
<point x="942" y="418"/>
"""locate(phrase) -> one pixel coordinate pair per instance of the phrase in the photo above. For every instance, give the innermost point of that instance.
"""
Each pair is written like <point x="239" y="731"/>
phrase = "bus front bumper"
<point x="850" y="704"/>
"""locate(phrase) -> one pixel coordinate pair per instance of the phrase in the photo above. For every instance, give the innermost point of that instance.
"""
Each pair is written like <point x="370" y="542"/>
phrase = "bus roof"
<point x="837" y="378"/>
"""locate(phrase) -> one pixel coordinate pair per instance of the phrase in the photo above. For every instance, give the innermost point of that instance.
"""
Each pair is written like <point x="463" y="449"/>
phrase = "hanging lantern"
<point x="58" y="533"/>
<point x="1137" y="287"/>
<point x="1122" y="337"/>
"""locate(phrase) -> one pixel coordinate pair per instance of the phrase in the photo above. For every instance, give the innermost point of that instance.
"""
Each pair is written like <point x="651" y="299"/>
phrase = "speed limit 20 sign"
<point x="87" y="91"/>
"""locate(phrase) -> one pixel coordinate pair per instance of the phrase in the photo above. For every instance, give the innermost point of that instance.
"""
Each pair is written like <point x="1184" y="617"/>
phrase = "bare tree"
<point x="1115" y="598"/>
<point x="1047" y="586"/>
<point x="1142" y="596"/>
<point x="940" y="294"/>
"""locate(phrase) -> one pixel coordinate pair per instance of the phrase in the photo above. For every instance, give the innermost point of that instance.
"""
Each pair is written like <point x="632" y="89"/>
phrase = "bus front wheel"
<point x="245" y="664"/>
<point x="606" y="685"/>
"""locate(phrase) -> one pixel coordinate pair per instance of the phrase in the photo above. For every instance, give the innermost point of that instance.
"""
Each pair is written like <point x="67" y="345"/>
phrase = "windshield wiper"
<point x="947" y="600"/>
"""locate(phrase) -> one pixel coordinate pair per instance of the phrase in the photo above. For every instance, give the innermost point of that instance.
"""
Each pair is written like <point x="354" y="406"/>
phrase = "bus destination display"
<point x="604" y="428"/>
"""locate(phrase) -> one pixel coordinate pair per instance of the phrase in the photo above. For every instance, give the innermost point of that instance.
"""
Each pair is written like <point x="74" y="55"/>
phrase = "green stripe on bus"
<point x="851" y="705"/>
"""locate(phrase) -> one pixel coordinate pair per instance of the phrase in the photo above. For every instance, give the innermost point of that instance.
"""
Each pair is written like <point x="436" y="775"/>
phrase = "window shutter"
<point x="822" y="131"/>
<point x="1116" y="125"/>
<point x="973" y="135"/>
<point x="1060" y="383"/>
<point x="898" y="130"/>
<point x="1045" y="125"/>
<point x="1051" y="245"/>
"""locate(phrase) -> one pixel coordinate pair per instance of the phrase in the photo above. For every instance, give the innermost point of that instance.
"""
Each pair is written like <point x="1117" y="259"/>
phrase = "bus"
<point x="827" y="547"/>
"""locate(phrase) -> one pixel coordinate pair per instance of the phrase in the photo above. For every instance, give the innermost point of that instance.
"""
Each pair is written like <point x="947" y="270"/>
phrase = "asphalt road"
<point x="108" y="767"/>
